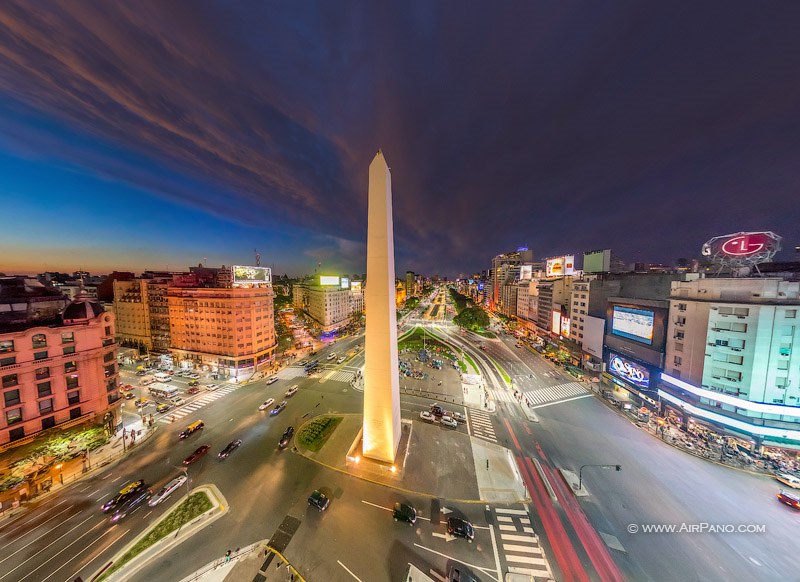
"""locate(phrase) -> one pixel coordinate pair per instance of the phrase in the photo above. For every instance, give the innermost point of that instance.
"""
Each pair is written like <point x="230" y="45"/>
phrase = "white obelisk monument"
<point x="381" y="375"/>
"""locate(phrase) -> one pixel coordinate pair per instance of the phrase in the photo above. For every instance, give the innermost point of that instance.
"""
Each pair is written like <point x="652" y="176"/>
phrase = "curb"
<point x="219" y="508"/>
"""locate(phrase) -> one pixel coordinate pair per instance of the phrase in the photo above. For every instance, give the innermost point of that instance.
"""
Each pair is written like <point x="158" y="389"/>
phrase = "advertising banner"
<point x="629" y="371"/>
<point x="251" y="275"/>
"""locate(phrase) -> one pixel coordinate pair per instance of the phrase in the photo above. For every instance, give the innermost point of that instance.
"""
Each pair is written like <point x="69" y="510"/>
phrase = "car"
<point x="212" y="387"/>
<point x="194" y="382"/>
<point x="482" y="347"/>
<point x="123" y="495"/>
<point x="192" y="390"/>
<point x="272" y="380"/>
<point x="128" y="506"/>
<point x="148" y="381"/>
<point x="341" y="360"/>
<point x="278" y="408"/>
<point x="163" y="407"/>
<point x="331" y="356"/>
<point x="177" y="400"/>
<point x="191" y="429"/>
<point x="460" y="528"/>
<point x="437" y="410"/>
<point x="789" y="498"/>
<point x="458" y="417"/>
<point x="127" y="387"/>
<point x="229" y="448"/>
<point x="404" y="512"/>
<point x="167" y="490"/>
<point x="448" y="422"/>
<point x="427" y="416"/>
<point x="319" y="500"/>
<point x="129" y="396"/>
<point x="291" y="391"/>
<point x="141" y="402"/>
<point x="198" y="453"/>
<point x="286" y="438"/>
<point x="459" y="574"/>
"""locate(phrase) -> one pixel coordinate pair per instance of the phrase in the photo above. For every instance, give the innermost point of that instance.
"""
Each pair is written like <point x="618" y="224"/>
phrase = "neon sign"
<point x="629" y="371"/>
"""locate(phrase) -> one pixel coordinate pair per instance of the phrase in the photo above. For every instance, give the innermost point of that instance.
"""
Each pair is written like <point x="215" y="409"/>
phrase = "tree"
<point x="472" y="318"/>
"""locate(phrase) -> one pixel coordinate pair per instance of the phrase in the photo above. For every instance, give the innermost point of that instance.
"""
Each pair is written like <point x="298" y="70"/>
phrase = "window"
<point x="40" y="355"/>
<point x="721" y="342"/>
<point x="44" y="389"/>
<point x="10" y="380"/>
<point x="14" y="415"/>
<point x="681" y="306"/>
<point x="678" y="347"/>
<point x="42" y="373"/>
<point x="677" y="360"/>
<point x="48" y="422"/>
<point x="8" y="361"/>
<point x="8" y="345"/>
<point x="11" y="397"/>
<point x="46" y="406"/>
<point x="731" y="375"/>
<point x="741" y="311"/>
<point x="108" y="330"/>
<point x="75" y="413"/>
<point x="111" y="385"/>
<point x="70" y="367"/>
<point x="726" y="310"/>
<point x="721" y="326"/>
<point x="735" y="359"/>
<point x="780" y="382"/>
<point x="788" y="314"/>
<point x="67" y="337"/>
<point x="109" y="357"/>
<point x="679" y="335"/>
<point x="680" y="320"/>
<point x="739" y="327"/>
<point x="787" y="330"/>
<point x="39" y="341"/>
<point x="72" y="381"/>
<point x="69" y="350"/>
<point x="112" y="398"/>
<point x="73" y="397"/>
<point x="16" y="433"/>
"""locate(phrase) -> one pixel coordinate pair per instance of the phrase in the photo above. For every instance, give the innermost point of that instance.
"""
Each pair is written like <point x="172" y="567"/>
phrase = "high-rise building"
<point x="410" y="288"/>
<point x="57" y="370"/>
<point x="731" y="355"/>
<point x="500" y="266"/>
<point x="329" y="302"/>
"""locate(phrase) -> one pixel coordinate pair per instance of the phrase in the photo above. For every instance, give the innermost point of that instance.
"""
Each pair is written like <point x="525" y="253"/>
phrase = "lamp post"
<point x="580" y="472"/>
<point x="60" y="474"/>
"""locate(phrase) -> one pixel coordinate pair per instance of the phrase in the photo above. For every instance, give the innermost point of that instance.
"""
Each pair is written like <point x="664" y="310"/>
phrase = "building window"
<point x="10" y="380"/>
<point x="39" y="341"/>
<point x="48" y="422"/>
<point x="16" y="433"/>
<point x="788" y="314"/>
<point x="108" y="330"/>
<point x="680" y="320"/>
<point x="677" y="360"/>
<point x="741" y="311"/>
<point x="112" y="398"/>
<point x="75" y="413"/>
<point x="70" y="367"/>
<point x="72" y="381"/>
<point x="13" y="416"/>
<point x="111" y="385"/>
<point x="678" y="347"/>
<point x="67" y="337"/>
<point x="69" y="350"/>
<point x="11" y="397"/>
<point x="40" y="355"/>
<point x="8" y="361"/>
<point x="109" y="357"/>
<point x="44" y="389"/>
<point x="46" y="406"/>
<point x="681" y="307"/>
<point x="8" y="345"/>
<point x="42" y="373"/>
<point x="73" y="397"/>
<point x="678" y="335"/>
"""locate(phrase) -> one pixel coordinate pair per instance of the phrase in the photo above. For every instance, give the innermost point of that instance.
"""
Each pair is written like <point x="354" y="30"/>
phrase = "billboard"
<point x="345" y="282"/>
<point x="597" y="261"/>
<point x="327" y="280"/>
<point x="556" y="322"/>
<point x="742" y="248"/>
<point x="633" y="324"/>
<point x="355" y="285"/>
<point x="243" y="275"/>
<point x="525" y="272"/>
<point x="593" y="332"/>
<point x="560" y="266"/>
<point x="565" y="326"/>
<point x="629" y="371"/>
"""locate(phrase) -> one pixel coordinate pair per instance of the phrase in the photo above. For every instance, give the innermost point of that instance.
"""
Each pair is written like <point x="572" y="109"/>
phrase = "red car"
<point x="195" y="456"/>
<point x="790" y="499"/>
<point x="193" y="390"/>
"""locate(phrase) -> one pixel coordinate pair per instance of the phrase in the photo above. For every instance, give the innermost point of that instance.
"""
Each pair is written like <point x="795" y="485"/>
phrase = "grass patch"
<point x="314" y="434"/>
<point x="414" y="340"/>
<point x="196" y="504"/>
<point x="500" y="369"/>
<point x="484" y="333"/>
<point x="463" y="366"/>
<point x="471" y="363"/>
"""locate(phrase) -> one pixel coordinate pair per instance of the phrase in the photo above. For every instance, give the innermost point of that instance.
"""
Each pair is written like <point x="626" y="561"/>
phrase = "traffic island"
<point x="199" y="508"/>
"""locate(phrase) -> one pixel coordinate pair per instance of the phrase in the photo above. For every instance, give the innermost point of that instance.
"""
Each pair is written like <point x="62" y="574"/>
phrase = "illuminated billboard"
<point x="560" y="266"/>
<point x="243" y="275"/>
<point x="556" y="322"/>
<point x="326" y="280"/>
<point x="345" y="282"/>
<point x="742" y="249"/>
<point x="633" y="324"/>
<point x="629" y="371"/>
<point x="565" y="326"/>
<point x="525" y="272"/>
<point x="355" y="285"/>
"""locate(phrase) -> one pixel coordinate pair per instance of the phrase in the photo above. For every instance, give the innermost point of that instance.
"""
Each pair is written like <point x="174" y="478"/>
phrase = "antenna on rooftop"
<point x="258" y="257"/>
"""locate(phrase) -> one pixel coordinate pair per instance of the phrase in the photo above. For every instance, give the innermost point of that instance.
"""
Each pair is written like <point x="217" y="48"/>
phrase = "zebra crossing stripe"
<point x="526" y="549"/>
<point x="511" y="511"/>
<point x="505" y="518"/>
<point x="517" y="538"/>
<point x="505" y="527"/>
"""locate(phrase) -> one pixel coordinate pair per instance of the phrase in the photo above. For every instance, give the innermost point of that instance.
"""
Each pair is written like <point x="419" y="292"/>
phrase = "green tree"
<point x="472" y="318"/>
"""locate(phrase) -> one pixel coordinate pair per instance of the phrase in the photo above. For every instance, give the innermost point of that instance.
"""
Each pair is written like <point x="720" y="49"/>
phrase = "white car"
<point x="167" y="490"/>
<point x="212" y="386"/>
<point x="272" y="380"/>
<point x="448" y="422"/>
<point x="331" y="356"/>
<point x="341" y="360"/>
<point x="291" y="391"/>
<point x="427" y="416"/>
<point x="267" y="404"/>
<point x="458" y="417"/>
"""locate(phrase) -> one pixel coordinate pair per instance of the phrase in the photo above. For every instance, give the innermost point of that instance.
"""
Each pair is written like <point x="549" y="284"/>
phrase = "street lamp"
<point x="60" y="474"/>
<point x="580" y="472"/>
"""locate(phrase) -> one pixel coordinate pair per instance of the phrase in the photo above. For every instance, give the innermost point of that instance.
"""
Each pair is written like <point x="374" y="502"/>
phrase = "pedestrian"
<point x="228" y="556"/>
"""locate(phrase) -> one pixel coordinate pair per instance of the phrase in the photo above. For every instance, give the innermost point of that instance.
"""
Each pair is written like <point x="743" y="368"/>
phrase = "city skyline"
<point x="218" y="136"/>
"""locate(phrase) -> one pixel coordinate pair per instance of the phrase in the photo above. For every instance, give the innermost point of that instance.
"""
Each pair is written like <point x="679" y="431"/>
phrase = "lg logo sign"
<point x="746" y="244"/>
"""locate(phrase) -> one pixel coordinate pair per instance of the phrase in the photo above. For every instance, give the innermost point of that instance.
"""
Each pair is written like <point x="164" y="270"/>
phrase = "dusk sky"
<point x="162" y="134"/>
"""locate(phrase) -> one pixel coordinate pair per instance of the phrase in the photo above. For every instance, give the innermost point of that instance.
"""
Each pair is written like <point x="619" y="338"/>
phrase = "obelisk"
<point x="381" y="375"/>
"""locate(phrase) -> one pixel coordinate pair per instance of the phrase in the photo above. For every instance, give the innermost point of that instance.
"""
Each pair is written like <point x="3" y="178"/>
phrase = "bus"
<point x="162" y="377"/>
<point x="162" y="391"/>
<point x="311" y="366"/>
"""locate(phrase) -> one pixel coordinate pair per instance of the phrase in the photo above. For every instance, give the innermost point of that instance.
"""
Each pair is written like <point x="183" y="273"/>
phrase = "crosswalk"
<point x="481" y="425"/>
<point x="520" y="544"/>
<point x="339" y="376"/>
<point x="556" y="393"/>
<point x="196" y="404"/>
<point x="501" y="395"/>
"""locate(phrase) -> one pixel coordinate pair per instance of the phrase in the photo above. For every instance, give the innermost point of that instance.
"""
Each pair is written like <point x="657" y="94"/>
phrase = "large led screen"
<point x="245" y="275"/>
<point x="623" y="368"/>
<point x="634" y="324"/>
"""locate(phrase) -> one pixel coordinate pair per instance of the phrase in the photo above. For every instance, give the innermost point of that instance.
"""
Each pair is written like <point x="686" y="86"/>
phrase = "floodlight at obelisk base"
<point x="381" y="433"/>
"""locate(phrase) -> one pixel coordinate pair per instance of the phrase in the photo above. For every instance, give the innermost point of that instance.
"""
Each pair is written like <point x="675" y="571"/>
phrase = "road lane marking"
<point x="100" y="553"/>
<point x="511" y="511"/>
<point x="62" y="550"/>
<point x="561" y="401"/>
<point x="496" y="552"/>
<point x="504" y="527"/>
<point x="520" y="538"/>
<point x="484" y="570"/>
<point x="3" y="532"/>
<point x="44" y="548"/>
<point x="89" y="546"/>
<point x="527" y="560"/>
<point x="348" y="570"/>
<point x="505" y="518"/>
<point x="527" y="549"/>
<point x="41" y="536"/>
